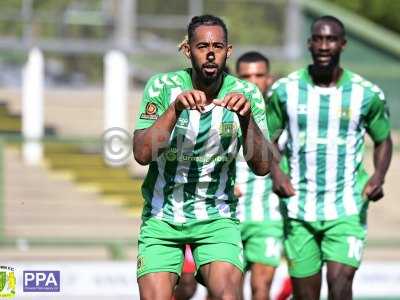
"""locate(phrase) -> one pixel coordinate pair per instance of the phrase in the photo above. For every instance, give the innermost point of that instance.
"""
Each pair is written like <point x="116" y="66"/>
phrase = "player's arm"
<point x="276" y="122"/>
<point x="255" y="146"/>
<point x="149" y="142"/>
<point x="378" y="127"/>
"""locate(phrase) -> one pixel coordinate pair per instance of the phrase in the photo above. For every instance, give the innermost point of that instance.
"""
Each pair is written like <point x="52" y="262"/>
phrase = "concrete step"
<point x="40" y="205"/>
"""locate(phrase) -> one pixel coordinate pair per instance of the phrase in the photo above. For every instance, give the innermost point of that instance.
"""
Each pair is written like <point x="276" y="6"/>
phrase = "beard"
<point x="208" y="79"/>
<point x="326" y="68"/>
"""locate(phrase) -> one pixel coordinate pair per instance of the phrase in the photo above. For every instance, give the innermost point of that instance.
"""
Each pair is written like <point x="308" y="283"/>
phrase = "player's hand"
<point x="281" y="184"/>
<point x="237" y="192"/>
<point x="235" y="102"/>
<point x="374" y="188"/>
<point x="193" y="99"/>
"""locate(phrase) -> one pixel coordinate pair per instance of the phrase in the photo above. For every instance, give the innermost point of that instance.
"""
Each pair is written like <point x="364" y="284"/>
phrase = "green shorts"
<point x="309" y="244"/>
<point x="262" y="242"/>
<point x="161" y="244"/>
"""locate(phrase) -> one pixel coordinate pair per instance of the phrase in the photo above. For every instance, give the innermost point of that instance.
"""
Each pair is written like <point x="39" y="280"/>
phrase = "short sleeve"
<point x="275" y="114"/>
<point x="153" y="103"/>
<point x="258" y="111"/>
<point x="377" y="118"/>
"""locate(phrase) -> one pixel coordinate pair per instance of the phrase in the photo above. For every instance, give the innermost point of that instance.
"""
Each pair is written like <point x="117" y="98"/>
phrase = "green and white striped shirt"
<point x="193" y="178"/>
<point x="325" y="147"/>
<point x="258" y="203"/>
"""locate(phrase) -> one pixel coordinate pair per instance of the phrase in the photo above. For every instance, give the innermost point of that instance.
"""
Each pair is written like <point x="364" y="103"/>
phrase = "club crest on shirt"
<point x="182" y="122"/>
<point x="228" y="129"/>
<point x="150" y="112"/>
<point x="302" y="109"/>
<point x="344" y="113"/>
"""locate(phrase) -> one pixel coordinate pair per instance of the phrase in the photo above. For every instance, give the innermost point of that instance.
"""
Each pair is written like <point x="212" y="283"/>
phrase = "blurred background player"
<point x="328" y="110"/>
<point x="190" y="130"/>
<point x="258" y="209"/>
<point x="187" y="285"/>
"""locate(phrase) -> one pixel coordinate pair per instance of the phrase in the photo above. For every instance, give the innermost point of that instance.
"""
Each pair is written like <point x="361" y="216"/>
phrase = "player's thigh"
<point x="217" y="240"/>
<point x="344" y="240"/>
<point x="222" y="279"/>
<point x="157" y="286"/>
<point x="263" y="244"/>
<point x="302" y="249"/>
<point x="261" y="275"/>
<point x="159" y="248"/>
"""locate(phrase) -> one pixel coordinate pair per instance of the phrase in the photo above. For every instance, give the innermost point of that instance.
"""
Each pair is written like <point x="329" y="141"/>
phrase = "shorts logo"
<point x="140" y="263"/>
<point x="7" y="282"/>
<point x="290" y="263"/>
<point x="150" y="112"/>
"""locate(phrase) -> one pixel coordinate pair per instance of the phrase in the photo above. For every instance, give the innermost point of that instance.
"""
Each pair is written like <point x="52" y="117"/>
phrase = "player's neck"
<point x="325" y="77"/>
<point x="211" y="90"/>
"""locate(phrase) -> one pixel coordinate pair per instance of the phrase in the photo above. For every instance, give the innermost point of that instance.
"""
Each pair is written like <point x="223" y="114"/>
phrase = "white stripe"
<point x="211" y="146"/>
<point x="257" y="209"/>
<point x="332" y="155"/>
<point x="313" y="105"/>
<point x="274" y="212"/>
<point x="221" y="197"/>
<point x="291" y="108"/>
<point x="200" y="208"/>
<point x="183" y="166"/>
<point x="157" y="200"/>
<point x="213" y="143"/>
<point x="177" y="204"/>
<point x="174" y="93"/>
<point x="356" y="98"/>
<point x="242" y="176"/>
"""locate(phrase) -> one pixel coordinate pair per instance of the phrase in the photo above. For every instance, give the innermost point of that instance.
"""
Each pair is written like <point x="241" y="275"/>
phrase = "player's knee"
<point x="260" y="288"/>
<point x="147" y="295"/>
<point x="227" y="295"/>
<point x="340" y="277"/>
<point x="228" y="291"/>
<point x="340" y="283"/>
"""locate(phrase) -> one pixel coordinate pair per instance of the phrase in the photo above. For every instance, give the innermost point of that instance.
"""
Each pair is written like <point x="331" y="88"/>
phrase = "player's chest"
<point x="214" y="130"/>
<point x="336" y="112"/>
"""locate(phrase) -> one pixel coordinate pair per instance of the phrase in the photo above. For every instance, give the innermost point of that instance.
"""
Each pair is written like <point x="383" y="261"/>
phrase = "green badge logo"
<point x="7" y="282"/>
<point x="228" y="129"/>
<point x="140" y="263"/>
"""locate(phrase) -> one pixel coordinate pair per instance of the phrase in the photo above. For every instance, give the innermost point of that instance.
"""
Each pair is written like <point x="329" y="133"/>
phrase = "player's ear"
<point x="270" y="80"/>
<point x="309" y="43"/>
<point x="186" y="50"/>
<point x="229" y="50"/>
<point x="344" y="43"/>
